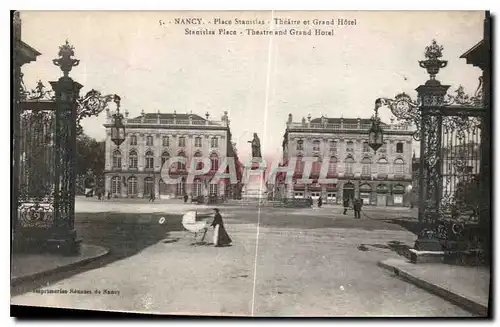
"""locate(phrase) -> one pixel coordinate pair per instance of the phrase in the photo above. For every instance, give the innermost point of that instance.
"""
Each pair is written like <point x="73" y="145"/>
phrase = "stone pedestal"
<point x="255" y="185"/>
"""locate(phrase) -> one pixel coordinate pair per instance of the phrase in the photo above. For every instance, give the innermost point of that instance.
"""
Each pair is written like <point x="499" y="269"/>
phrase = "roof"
<point x="345" y="120"/>
<point x="169" y="116"/>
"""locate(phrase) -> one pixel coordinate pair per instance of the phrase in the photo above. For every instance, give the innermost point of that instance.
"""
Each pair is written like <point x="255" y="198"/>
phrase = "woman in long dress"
<point x="221" y="238"/>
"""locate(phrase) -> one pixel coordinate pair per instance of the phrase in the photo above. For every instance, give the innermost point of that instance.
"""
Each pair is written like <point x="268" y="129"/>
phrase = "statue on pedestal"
<point x="255" y="146"/>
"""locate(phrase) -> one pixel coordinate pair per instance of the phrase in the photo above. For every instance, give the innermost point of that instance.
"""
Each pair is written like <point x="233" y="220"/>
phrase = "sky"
<point x="149" y="61"/>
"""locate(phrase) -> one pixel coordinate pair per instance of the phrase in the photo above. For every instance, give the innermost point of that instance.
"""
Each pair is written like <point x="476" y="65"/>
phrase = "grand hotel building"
<point x="134" y="168"/>
<point x="380" y="178"/>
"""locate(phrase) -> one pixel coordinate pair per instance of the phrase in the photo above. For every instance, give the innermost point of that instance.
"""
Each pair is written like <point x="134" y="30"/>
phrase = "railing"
<point x="150" y="121"/>
<point x="389" y="127"/>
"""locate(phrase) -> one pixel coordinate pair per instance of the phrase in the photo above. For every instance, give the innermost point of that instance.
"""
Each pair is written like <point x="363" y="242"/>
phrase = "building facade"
<point x="134" y="168"/>
<point x="381" y="179"/>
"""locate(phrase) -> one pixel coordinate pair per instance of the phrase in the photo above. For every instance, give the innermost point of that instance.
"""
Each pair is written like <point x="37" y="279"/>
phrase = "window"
<point x="316" y="166"/>
<point x="383" y="148"/>
<point x="366" y="166"/>
<point x="199" y="161"/>
<point x="116" y="185"/>
<point x="150" y="160"/>
<point x="182" y="141"/>
<point x="333" y="146"/>
<point x="382" y="166"/>
<point x="300" y="144"/>
<point x="349" y="165"/>
<point x="214" y="188"/>
<point x="349" y="146"/>
<point x="332" y="166"/>
<point x="133" y="140"/>
<point x="149" y="140"/>
<point x="117" y="159"/>
<point x="299" y="165"/>
<point x="366" y="147"/>
<point x="197" y="142"/>
<point x="164" y="158"/>
<point x="181" y="187"/>
<point x="399" y="167"/>
<point x="316" y="144"/>
<point x="180" y="165"/>
<point x="132" y="185"/>
<point x="214" y="142"/>
<point x="197" y="188"/>
<point x="399" y="147"/>
<point x="165" y="141"/>
<point x="132" y="158"/>
<point x="214" y="161"/>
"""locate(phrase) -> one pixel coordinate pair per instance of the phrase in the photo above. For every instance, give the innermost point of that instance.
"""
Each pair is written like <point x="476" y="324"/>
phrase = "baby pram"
<point x="196" y="223"/>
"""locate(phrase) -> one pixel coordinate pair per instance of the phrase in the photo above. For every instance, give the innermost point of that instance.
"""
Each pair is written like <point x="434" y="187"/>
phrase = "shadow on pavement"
<point x="396" y="246"/>
<point x="123" y="234"/>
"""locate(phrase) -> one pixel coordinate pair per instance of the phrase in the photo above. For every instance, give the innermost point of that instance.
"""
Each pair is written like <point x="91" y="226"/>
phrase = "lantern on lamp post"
<point x="376" y="135"/>
<point x="118" y="129"/>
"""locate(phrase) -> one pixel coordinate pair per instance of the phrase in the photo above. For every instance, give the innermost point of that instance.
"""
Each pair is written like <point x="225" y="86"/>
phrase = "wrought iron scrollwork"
<point x="92" y="104"/>
<point x="38" y="93"/>
<point x="404" y="108"/>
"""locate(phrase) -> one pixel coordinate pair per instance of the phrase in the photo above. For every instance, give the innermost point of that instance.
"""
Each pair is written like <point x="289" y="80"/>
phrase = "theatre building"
<point x="379" y="179"/>
<point x="134" y="168"/>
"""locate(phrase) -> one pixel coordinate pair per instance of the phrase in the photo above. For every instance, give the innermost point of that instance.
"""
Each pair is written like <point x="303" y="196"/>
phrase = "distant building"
<point x="380" y="178"/>
<point x="134" y="169"/>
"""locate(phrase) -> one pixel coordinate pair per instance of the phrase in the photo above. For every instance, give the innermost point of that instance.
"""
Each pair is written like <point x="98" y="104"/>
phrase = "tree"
<point x="90" y="155"/>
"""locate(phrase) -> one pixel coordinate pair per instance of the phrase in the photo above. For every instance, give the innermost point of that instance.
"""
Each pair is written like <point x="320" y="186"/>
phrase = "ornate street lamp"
<point x="376" y="135"/>
<point x="118" y="129"/>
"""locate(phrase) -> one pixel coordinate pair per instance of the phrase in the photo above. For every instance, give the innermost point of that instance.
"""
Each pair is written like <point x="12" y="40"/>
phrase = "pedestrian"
<point x="152" y="197"/>
<point x="320" y="202"/>
<point x="99" y="195"/>
<point x="185" y="198"/>
<point x="221" y="238"/>
<point x="357" y="208"/>
<point x="109" y="195"/>
<point x="346" y="205"/>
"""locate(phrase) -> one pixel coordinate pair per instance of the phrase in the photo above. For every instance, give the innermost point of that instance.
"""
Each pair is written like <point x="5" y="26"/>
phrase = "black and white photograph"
<point x="252" y="163"/>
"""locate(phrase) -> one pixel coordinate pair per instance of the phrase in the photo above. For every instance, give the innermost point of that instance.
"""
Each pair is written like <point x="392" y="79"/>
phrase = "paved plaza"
<point x="283" y="262"/>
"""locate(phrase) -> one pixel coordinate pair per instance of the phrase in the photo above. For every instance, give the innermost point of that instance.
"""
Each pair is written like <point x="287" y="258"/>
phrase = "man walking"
<point x="357" y="208"/>
<point x="346" y="204"/>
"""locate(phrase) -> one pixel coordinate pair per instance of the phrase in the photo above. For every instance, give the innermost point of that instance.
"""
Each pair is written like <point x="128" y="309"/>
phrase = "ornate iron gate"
<point x="36" y="164"/>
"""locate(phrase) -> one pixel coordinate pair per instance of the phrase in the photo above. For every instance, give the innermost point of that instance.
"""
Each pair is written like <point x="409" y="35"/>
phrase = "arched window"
<point x="181" y="165"/>
<point x="164" y="158"/>
<point x="116" y="185"/>
<point x="332" y="166"/>
<point x="349" y="165"/>
<point x="198" y="160"/>
<point x="132" y="158"/>
<point x="133" y="140"/>
<point x="399" y="167"/>
<point x="382" y="166"/>
<point x="132" y="186"/>
<point x="366" y="168"/>
<point x="316" y="166"/>
<point x="117" y="159"/>
<point x="214" y="161"/>
<point x="150" y="160"/>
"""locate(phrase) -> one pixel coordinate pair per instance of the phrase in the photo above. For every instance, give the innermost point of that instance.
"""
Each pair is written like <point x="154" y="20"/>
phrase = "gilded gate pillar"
<point x="63" y="234"/>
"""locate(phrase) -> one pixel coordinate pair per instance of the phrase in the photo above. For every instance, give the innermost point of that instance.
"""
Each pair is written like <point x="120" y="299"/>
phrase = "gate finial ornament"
<point x="65" y="62"/>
